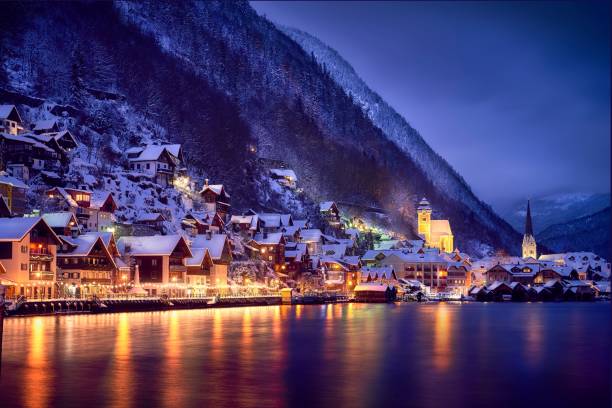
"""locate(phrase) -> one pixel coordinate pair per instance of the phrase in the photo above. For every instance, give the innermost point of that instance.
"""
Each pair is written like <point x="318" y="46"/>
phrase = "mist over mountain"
<point x="555" y="209"/>
<point x="237" y="92"/>
<point x="589" y="233"/>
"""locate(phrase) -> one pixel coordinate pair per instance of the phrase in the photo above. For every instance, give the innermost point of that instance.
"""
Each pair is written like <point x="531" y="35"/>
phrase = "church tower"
<point x="529" y="242"/>
<point x="424" y="220"/>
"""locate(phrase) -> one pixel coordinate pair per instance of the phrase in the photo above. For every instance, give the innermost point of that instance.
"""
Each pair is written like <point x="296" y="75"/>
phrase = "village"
<point x="75" y="247"/>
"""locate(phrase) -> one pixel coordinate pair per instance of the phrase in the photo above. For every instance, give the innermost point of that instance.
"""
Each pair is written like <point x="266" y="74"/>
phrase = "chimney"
<point x="265" y="235"/>
<point x="74" y="232"/>
<point x="205" y="182"/>
<point x="209" y="234"/>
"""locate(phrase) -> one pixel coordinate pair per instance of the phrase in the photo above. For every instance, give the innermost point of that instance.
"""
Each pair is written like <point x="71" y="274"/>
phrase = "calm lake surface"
<point x="425" y="355"/>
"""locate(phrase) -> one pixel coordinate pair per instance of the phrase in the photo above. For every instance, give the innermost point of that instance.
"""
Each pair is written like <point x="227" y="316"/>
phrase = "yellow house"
<point x="436" y="233"/>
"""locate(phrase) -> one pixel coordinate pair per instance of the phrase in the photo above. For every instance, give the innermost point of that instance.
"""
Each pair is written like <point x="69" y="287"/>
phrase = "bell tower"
<point x="424" y="220"/>
<point x="529" y="242"/>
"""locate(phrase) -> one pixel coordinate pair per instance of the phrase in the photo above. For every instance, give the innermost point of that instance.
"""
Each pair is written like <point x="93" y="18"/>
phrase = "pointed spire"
<point x="528" y="225"/>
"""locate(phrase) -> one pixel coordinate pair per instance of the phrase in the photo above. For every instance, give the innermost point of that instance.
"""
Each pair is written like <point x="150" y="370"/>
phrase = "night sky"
<point x="515" y="95"/>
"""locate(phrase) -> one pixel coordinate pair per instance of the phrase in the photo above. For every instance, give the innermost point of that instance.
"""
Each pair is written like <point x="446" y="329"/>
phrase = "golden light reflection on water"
<point x="172" y="376"/>
<point x="122" y="381"/>
<point x="37" y="379"/>
<point x="442" y="352"/>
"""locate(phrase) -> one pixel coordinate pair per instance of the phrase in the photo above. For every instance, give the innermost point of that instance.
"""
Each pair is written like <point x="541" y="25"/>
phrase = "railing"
<point x="178" y="268"/>
<point x="42" y="275"/>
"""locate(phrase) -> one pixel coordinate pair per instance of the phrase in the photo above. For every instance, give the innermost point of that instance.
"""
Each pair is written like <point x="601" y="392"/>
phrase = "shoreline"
<point x="90" y="307"/>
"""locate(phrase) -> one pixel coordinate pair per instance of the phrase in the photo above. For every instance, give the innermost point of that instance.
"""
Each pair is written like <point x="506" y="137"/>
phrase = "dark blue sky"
<point x="515" y="95"/>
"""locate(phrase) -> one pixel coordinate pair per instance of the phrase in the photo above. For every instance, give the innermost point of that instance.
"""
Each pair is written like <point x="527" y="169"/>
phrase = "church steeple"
<point x="529" y="242"/>
<point x="528" y="226"/>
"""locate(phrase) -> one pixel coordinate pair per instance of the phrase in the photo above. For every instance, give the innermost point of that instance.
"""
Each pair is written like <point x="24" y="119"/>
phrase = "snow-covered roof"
<point x="64" y="194"/>
<point x="310" y="235"/>
<point x="5" y="111"/>
<point x="326" y="205"/>
<point x="83" y="244"/>
<point x="152" y="152"/>
<point x="389" y="244"/>
<point x="12" y="181"/>
<point x="284" y="173"/>
<point x="158" y="245"/>
<point x="241" y="219"/>
<point x="440" y="227"/>
<point x="272" y="238"/>
<point x="334" y="250"/>
<point x="290" y="230"/>
<point x="59" y="219"/>
<point x="198" y="257"/>
<point x="150" y="217"/>
<point x="28" y="140"/>
<point x="15" y="229"/>
<point x="215" y="244"/>
<point x="45" y="124"/>
<point x="300" y="223"/>
<point x="98" y="198"/>
<point x="382" y="272"/>
<point x="371" y="287"/>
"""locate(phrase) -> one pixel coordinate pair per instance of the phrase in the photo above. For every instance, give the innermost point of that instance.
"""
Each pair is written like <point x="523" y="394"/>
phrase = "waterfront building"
<point x="199" y="271"/>
<point x="220" y="250"/>
<point x="429" y="267"/>
<point x="436" y="233"/>
<point x="28" y="249"/>
<point x="86" y="265"/>
<point x="160" y="260"/>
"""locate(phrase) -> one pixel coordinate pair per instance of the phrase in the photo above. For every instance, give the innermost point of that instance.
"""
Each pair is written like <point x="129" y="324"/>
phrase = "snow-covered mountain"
<point x="395" y="127"/>
<point x="556" y="209"/>
<point x="588" y="233"/>
<point x="237" y="93"/>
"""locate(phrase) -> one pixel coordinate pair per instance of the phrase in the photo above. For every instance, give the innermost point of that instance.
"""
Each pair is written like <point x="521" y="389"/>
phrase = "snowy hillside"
<point x="394" y="126"/>
<point x="237" y="93"/>
<point x="556" y="209"/>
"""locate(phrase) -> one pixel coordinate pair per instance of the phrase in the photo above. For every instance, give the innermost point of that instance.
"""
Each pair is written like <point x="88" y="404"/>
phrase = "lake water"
<point x="425" y="355"/>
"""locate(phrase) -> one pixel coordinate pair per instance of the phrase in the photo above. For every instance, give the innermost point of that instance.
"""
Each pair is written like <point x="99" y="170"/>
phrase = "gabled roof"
<point x="272" y="238"/>
<point x="150" y="217"/>
<point x="215" y="244"/>
<point x="28" y="140"/>
<point x="12" y="181"/>
<point x="157" y="245"/>
<point x="83" y="245"/>
<point x="327" y="206"/>
<point x="46" y="124"/>
<point x="218" y="189"/>
<point x="310" y="235"/>
<point x="100" y="198"/>
<point x="60" y="219"/>
<point x="15" y="229"/>
<point x="199" y="255"/>
<point x="7" y="110"/>
<point x="153" y="152"/>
